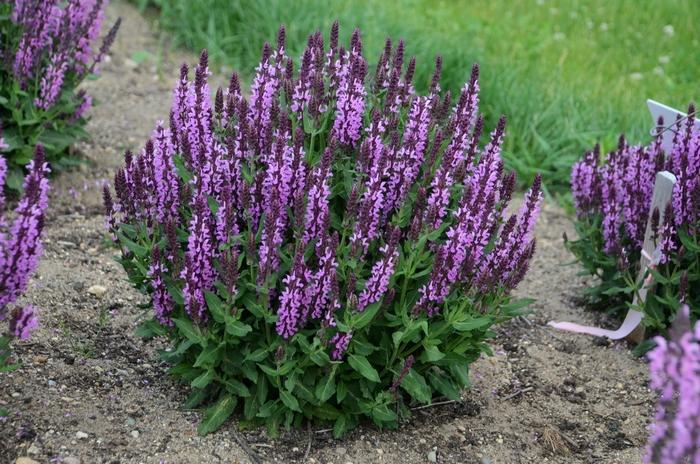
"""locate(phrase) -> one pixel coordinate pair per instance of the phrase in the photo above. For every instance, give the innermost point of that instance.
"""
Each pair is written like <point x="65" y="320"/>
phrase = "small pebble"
<point x="97" y="291"/>
<point x="135" y="433"/>
<point x="81" y="435"/>
<point x="432" y="456"/>
<point x="25" y="460"/>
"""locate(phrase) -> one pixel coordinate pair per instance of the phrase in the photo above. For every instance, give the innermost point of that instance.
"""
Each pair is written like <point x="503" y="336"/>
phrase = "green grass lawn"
<point x="567" y="73"/>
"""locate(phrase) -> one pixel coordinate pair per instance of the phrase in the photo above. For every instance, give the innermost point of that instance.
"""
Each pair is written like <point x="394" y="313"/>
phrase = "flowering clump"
<point x="334" y="247"/>
<point x="675" y="375"/>
<point x="613" y="201"/>
<point x="20" y="249"/>
<point x="46" y="53"/>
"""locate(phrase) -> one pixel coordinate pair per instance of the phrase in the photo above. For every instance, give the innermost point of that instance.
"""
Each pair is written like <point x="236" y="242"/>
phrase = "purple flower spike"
<point x="21" y="248"/>
<point x="382" y="271"/>
<point x="23" y="321"/>
<point x="675" y="376"/>
<point x="340" y="343"/>
<point x="198" y="272"/>
<point x="294" y="301"/>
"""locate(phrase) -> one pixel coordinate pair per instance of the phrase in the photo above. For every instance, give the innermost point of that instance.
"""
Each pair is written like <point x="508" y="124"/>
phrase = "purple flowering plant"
<point x="46" y="50"/>
<point x="333" y="247"/>
<point x="675" y="375"/>
<point x="613" y="202"/>
<point x="20" y="250"/>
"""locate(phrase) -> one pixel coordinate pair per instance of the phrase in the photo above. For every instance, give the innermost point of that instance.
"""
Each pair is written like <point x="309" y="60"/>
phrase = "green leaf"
<point x="340" y="426"/>
<point x="472" y="324"/>
<point x="415" y="385"/>
<point x="444" y="385"/>
<point x="513" y="308"/>
<point x="431" y="354"/>
<point x="341" y="391"/>
<point x="188" y="330"/>
<point x="196" y="398"/>
<point x="257" y="355"/>
<point x="237" y="328"/>
<point x="203" y="379"/>
<point x="289" y="400"/>
<point x="237" y="388"/>
<point x="216" y="415"/>
<point x="210" y="355"/>
<point x="326" y="411"/>
<point x="132" y="246"/>
<point x="149" y="329"/>
<point x="362" y="319"/>
<point x="382" y="413"/>
<point x="215" y="305"/>
<point x="326" y="388"/>
<point x="361" y="365"/>
<point x="617" y="290"/>
<point x="268" y="409"/>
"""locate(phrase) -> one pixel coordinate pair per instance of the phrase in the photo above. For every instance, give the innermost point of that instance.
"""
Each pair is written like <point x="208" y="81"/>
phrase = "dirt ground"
<point x="89" y="391"/>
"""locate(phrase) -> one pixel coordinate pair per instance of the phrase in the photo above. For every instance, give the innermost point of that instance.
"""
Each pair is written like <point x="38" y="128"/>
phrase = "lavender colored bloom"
<point x="23" y="321"/>
<point x="378" y="282"/>
<point x="322" y="291"/>
<point x="294" y="300"/>
<point x="263" y="91"/>
<point x="317" y="200"/>
<point x="351" y="93"/>
<point x="674" y="367"/>
<point x="165" y="178"/>
<point x="667" y="245"/>
<point x="85" y="104"/>
<point x="198" y="272"/>
<point x="52" y="82"/>
<point x="272" y="238"/>
<point x="685" y="163"/>
<point x="585" y="182"/>
<point x="20" y="248"/>
<point x="340" y="343"/>
<point x="163" y="303"/>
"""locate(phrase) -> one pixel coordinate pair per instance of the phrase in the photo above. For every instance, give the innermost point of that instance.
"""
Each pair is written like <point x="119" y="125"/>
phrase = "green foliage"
<point x="238" y="360"/>
<point x="23" y="125"/>
<point x="567" y="73"/>
<point x="615" y="288"/>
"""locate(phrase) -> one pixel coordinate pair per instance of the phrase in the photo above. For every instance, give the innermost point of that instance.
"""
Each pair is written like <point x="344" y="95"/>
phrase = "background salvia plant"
<point x="675" y="375"/>
<point x="332" y="248"/>
<point x="46" y="51"/>
<point x="20" y="250"/>
<point x="613" y="201"/>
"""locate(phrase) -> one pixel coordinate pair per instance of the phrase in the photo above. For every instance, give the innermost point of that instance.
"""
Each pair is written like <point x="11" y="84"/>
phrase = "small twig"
<point x="439" y="403"/>
<point x="308" y="446"/>
<point x="517" y="393"/>
<point x="261" y="445"/>
<point x="566" y="438"/>
<point x="323" y="431"/>
<point x="248" y="450"/>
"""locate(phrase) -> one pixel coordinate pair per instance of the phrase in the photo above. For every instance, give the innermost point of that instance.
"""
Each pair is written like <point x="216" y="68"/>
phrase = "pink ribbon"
<point x="632" y="319"/>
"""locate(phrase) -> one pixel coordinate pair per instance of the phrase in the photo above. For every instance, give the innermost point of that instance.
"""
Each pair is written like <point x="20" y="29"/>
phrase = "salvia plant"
<point x="333" y="247"/>
<point x="675" y="376"/>
<point x="46" y="51"/>
<point x="20" y="250"/>
<point x="613" y="202"/>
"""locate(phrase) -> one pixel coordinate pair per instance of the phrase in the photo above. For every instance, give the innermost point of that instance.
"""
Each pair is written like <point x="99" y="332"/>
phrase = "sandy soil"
<point x="89" y="391"/>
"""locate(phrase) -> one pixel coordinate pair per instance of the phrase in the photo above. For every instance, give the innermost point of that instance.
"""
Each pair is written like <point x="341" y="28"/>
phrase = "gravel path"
<point x="89" y="391"/>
